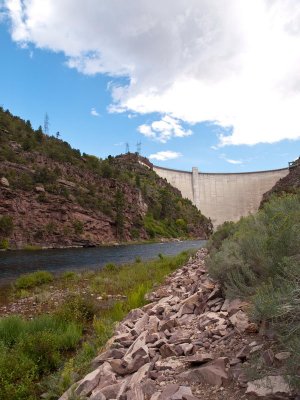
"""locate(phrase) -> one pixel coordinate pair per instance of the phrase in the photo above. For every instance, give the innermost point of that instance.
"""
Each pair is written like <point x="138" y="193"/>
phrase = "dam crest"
<point x="223" y="196"/>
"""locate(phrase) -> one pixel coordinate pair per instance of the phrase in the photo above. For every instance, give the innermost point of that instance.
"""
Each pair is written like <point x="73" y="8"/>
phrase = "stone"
<point x="199" y="358"/>
<point x="269" y="386"/>
<point x="187" y="348"/>
<point x="179" y="337"/>
<point x="109" y="354"/>
<point x="148" y="388"/>
<point x="98" y="396"/>
<point x="4" y="182"/>
<point x="167" y="350"/>
<point x="91" y="381"/>
<point x="167" y="325"/>
<point x="172" y="363"/>
<point x="240" y="321"/>
<point x="213" y="373"/>
<point x="139" y="326"/>
<point x="187" y="308"/>
<point x="135" y="393"/>
<point x="114" y="391"/>
<point x="39" y="189"/>
<point x="268" y="357"/>
<point x="215" y="293"/>
<point x="243" y="354"/>
<point x="153" y="324"/>
<point x="235" y="305"/>
<point x="155" y="396"/>
<point x="284" y="355"/>
<point x="139" y="375"/>
<point x="189" y="397"/>
<point x="182" y="391"/>
<point x="169" y="391"/>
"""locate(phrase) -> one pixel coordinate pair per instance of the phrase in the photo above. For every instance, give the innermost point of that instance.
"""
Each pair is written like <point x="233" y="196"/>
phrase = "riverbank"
<point x="108" y="244"/>
<point x="65" y="321"/>
<point x="188" y="343"/>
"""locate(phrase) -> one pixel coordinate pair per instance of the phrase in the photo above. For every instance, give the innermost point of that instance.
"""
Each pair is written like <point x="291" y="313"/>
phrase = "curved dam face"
<point x="223" y="197"/>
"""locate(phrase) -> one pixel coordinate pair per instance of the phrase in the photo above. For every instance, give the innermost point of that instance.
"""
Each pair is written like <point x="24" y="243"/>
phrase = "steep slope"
<point x="51" y="195"/>
<point x="288" y="184"/>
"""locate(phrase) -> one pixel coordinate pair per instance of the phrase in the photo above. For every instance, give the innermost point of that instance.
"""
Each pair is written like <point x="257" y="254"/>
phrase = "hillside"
<point x="288" y="184"/>
<point x="53" y="196"/>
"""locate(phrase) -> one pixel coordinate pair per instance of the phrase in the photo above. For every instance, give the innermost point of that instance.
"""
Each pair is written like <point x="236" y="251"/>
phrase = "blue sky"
<point x="222" y="107"/>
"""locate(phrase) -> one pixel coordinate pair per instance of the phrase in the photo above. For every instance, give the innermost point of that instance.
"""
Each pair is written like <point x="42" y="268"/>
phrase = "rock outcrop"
<point x="288" y="184"/>
<point x="188" y="343"/>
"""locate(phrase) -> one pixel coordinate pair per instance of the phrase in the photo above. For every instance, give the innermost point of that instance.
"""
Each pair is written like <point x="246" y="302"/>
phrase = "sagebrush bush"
<point x="260" y="259"/>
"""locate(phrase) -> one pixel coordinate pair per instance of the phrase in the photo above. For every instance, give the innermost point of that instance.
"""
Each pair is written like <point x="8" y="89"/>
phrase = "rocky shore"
<point x="188" y="343"/>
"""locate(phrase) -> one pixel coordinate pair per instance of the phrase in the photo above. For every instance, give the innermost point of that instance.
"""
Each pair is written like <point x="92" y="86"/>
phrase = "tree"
<point x="119" y="205"/>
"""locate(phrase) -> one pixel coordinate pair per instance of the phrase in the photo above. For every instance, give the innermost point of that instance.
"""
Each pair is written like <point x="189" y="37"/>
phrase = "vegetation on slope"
<point x="119" y="198"/>
<point x="47" y="354"/>
<point x="258" y="258"/>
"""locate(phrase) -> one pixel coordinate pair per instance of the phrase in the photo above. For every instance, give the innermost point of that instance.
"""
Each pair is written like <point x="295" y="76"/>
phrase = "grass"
<point x="258" y="258"/>
<point x="51" y="352"/>
<point x="34" y="279"/>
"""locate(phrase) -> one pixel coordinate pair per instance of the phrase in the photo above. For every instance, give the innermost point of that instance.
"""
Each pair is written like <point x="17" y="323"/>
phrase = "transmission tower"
<point x="127" y="148"/>
<point x="46" y="124"/>
<point x="139" y="147"/>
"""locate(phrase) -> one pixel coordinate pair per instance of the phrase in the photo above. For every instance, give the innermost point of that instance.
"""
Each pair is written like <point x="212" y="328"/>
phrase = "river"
<point x="15" y="263"/>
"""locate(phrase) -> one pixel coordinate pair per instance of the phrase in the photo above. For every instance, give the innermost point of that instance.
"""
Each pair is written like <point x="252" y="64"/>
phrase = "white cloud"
<point x="164" y="129"/>
<point x="230" y="161"/>
<point x="234" y="63"/>
<point x="94" y="112"/>
<point x="165" y="155"/>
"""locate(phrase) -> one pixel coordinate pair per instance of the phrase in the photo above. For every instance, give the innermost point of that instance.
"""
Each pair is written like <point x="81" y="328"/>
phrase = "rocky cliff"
<point x="53" y="196"/>
<point x="288" y="184"/>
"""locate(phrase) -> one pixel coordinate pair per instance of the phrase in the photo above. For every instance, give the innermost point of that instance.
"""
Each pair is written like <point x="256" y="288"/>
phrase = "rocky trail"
<point x="188" y="343"/>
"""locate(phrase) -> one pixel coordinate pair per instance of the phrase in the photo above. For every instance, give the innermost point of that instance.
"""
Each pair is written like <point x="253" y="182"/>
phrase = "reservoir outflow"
<point x="15" y="263"/>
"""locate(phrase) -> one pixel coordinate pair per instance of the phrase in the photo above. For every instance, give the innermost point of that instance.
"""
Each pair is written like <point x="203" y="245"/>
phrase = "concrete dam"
<point x="223" y="196"/>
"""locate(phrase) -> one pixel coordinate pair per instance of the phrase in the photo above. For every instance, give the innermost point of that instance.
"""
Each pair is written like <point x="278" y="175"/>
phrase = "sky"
<point x="208" y="83"/>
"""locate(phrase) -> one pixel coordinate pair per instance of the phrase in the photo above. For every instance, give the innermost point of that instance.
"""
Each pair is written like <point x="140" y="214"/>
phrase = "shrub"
<point x="110" y="267"/>
<point x="78" y="227"/>
<point x="77" y="308"/>
<point x="223" y="232"/>
<point x="34" y="279"/>
<point x="6" y="226"/>
<point x="4" y="244"/>
<point x="259" y="258"/>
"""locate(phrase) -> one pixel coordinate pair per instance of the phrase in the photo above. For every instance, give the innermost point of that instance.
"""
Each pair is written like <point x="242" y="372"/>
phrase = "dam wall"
<point x="223" y="196"/>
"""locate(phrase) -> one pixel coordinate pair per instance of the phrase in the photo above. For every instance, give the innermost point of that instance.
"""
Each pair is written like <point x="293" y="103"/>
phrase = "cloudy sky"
<point x="207" y="83"/>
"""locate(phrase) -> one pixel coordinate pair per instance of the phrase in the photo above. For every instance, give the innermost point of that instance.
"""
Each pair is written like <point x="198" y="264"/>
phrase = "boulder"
<point x="39" y="189"/>
<point x="182" y="391"/>
<point x="269" y="387"/>
<point x="213" y="373"/>
<point x="102" y="376"/>
<point x="199" y="358"/>
<point x="4" y="182"/>
<point x="240" y="321"/>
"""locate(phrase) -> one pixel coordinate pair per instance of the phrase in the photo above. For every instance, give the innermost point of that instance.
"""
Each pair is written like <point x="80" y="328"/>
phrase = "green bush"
<point x="257" y="245"/>
<point x="30" y="349"/>
<point x="4" y="244"/>
<point x="6" y="226"/>
<point x="34" y="279"/>
<point x="78" y="308"/>
<point x="259" y="258"/>
<point x="78" y="227"/>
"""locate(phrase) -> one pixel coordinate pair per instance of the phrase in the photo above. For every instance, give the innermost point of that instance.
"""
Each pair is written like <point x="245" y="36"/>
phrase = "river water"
<point x="15" y="263"/>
